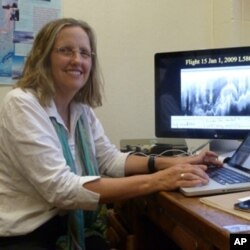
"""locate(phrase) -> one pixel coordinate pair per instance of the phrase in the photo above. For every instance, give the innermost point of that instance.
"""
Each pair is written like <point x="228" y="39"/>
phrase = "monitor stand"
<point x="221" y="146"/>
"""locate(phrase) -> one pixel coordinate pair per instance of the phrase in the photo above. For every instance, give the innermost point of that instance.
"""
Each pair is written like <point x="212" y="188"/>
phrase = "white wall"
<point x="130" y="32"/>
<point x="231" y="23"/>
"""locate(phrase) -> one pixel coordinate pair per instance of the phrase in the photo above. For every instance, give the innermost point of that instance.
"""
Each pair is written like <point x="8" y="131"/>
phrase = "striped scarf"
<point x="78" y="219"/>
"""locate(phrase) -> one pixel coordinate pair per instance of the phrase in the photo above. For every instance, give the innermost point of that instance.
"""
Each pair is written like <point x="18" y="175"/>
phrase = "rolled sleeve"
<point x="90" y="198"/>
<point x="116" y="165"/>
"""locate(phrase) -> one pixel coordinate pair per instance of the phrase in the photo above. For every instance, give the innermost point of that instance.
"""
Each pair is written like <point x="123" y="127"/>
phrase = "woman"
<point x="53" y="149"/>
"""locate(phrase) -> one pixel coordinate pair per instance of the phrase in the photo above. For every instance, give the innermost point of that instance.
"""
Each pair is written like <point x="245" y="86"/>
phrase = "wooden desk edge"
<point x="202" y="219"/>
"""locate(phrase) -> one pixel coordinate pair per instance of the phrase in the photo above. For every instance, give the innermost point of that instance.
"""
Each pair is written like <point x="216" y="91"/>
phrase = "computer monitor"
<point x="203" y="93"/>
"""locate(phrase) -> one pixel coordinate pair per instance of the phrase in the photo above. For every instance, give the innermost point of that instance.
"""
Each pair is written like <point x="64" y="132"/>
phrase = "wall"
<point x="130" y="32"/>
<point x="231" y="23"/>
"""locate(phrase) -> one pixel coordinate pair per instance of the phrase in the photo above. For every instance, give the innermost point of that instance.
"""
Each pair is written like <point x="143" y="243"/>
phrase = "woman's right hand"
<point x="181" y="175"/>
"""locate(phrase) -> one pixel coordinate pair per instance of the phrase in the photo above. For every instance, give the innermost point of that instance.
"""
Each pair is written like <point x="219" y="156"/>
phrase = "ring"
<point x="182" y="175"/>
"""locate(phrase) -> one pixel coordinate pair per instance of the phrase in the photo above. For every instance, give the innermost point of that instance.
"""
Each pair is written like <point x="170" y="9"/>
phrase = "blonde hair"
<point x="37" y="71"/>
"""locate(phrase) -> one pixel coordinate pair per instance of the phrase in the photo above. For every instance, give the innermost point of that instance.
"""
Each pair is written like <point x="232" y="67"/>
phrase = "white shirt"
<point x="35" y="181"/>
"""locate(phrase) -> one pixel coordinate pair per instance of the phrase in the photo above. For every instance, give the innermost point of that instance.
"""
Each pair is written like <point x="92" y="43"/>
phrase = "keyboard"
<point x="226" y="176"/>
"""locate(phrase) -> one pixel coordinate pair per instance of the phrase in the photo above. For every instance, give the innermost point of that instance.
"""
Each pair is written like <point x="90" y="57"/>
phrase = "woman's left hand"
<point x="203" y="158"/>
<point x="206" y="158"/>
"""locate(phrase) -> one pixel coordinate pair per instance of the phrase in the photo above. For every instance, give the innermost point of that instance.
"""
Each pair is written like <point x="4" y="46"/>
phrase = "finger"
<point x="211" y="157"/>
<point x="200" y="166"/>
<point x="201" y="172"/>
<point x="211" y="153"/>
<point x="191" y="180"/>
<point x="193" y="168"/>
<point x="194" y="173"/>
<point x="192" y="183"/>
<point x="212" y="160"/>
<point x="217" y="162"/>
<point x="189" y="176"/>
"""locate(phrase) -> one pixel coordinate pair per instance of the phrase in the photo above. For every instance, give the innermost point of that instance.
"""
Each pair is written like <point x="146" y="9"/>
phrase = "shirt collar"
<point x="75" y="112"/>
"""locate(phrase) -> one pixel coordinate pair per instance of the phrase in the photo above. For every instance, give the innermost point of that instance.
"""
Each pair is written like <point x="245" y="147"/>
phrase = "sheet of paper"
<point x="226" y="203"/>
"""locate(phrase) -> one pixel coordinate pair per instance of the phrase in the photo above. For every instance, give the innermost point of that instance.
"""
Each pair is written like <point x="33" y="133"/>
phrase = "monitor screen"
<point x="203" y="93"/>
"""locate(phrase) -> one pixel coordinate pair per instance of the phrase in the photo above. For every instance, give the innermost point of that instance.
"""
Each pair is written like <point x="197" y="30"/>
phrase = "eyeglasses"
<point x="69" y="52"/>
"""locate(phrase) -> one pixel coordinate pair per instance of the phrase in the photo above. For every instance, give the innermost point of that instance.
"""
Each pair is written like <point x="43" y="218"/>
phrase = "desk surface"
<point x="191" y="224"/>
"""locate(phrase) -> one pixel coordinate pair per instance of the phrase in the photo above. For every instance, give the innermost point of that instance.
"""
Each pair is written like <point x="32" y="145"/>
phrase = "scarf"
<point x="78" y="219"/>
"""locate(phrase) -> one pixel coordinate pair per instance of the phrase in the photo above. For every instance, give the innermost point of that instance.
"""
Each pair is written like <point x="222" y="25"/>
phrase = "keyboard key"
<point x="226" y="176"/>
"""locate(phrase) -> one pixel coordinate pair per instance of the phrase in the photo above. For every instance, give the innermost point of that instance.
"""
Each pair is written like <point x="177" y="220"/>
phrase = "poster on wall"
<point x="20" y="20"/>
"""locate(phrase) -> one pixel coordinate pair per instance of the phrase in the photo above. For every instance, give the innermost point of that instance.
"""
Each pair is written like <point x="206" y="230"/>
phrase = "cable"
<point x="182" y="152"/>
<point x="138" y="153"/>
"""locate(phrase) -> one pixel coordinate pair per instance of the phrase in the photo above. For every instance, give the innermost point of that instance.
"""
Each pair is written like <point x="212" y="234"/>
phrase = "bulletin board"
<point x="20" y="20"/>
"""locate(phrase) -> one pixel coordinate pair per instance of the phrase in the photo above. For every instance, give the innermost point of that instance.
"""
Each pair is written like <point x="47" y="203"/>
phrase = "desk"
<point x="186" y="221"/>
